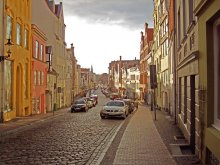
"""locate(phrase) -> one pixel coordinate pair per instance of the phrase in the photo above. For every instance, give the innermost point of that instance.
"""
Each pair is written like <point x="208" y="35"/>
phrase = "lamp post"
<point x="4" y="57"/>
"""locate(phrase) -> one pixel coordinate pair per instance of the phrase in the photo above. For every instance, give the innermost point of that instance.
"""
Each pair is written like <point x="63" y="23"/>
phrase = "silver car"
<point x="114" y="108"/>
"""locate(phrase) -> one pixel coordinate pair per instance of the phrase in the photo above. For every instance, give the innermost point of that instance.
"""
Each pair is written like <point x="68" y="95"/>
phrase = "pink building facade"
<point x="39" y="71"/>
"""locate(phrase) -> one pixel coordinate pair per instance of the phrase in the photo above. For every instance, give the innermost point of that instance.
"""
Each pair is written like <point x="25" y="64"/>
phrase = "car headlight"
<point x="103" y="110"/>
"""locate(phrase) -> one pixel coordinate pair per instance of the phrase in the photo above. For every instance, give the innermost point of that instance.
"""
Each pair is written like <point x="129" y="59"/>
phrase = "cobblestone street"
<point x="72" y="138"/>
<point x="85" y="138"/>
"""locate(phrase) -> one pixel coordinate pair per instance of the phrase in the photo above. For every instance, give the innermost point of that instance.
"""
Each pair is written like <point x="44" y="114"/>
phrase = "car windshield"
<point x="79" y="102"/>
<point x="115" y="103"/>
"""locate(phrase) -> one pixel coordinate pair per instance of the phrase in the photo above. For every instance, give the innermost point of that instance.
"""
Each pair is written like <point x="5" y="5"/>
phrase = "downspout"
<point x="174" y="63"/>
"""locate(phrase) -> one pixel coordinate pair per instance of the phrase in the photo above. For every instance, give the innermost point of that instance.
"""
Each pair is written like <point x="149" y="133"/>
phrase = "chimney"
<point x="142" y="33"/>
<point x="146" y="28"/>
<point x="72" y="48"/>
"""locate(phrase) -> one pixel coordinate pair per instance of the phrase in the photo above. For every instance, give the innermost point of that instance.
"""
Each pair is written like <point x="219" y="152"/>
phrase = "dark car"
<point x="79" y="105"/>
<point x="114" y="96"/>
<point x="131" y="104"/>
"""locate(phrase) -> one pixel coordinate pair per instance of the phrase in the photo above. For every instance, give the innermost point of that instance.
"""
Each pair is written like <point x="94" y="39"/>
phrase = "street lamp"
<point x="3" y="57"/>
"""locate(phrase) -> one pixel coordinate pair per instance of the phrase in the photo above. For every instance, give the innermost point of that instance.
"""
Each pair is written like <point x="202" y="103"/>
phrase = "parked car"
<point x="114" y="96"/>
<point x="79" y="105"/>
<point x="93" y="100"/>
<point x="88" y="102"/>
<point x="114" y="108"/>
<point x="95" y="97"/>
<point x="131" y="104"/>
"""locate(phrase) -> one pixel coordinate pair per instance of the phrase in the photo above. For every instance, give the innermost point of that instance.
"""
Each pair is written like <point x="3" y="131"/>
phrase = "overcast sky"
<point x="103" y="30"/>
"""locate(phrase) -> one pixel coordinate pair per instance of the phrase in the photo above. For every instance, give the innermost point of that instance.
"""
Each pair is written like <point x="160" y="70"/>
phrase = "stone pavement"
<point x="141" y="143"/>
<point x="168" y="130"/>
<point x="21" y="123"/>
<point x="145" y="141"/>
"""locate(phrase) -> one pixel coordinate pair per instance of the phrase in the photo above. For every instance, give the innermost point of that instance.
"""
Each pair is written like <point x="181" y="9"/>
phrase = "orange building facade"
<point x="146" y="38"/>
<point x="39" y="71"/>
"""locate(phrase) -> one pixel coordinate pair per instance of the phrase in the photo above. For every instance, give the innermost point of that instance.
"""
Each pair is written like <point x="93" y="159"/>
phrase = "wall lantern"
<point x="8" y="44"/>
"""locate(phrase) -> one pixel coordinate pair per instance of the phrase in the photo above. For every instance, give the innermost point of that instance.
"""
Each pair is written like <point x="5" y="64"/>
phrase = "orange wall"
<point x="38" y="65"/>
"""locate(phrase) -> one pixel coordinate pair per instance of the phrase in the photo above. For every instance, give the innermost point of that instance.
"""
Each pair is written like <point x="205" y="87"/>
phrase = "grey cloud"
<point x="130" y="13"/>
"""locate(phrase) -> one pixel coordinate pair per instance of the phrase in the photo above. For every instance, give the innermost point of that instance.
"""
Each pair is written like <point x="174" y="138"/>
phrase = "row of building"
<point x="184" y="45"/>
<point x="38" y="72"/>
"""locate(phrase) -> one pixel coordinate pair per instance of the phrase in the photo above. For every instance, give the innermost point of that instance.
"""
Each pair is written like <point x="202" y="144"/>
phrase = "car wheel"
<point x="102" y="117"/>
<point x="124" y="116"/>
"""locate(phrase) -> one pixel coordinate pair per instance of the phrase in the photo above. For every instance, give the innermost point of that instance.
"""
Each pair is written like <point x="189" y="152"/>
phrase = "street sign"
<point x="153" y="77"/>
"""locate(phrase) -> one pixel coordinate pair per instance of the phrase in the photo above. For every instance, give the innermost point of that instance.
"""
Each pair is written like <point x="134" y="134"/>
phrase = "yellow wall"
<point x="20" y="11"/>
<point x="212" y="135"/>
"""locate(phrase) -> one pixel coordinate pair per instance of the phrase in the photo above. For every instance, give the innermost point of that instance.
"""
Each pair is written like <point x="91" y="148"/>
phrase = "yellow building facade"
<point x="187" y="74"/>
<point x="15" y="71"/>
<point x="161" y="55"/>
<point x="208" y="13"/>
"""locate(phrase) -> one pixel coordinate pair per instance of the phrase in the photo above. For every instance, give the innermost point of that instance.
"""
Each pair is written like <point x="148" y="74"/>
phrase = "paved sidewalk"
<point x="141" y="143"/>
<point x="21" y="123"/>
<point x="168" y="129"/>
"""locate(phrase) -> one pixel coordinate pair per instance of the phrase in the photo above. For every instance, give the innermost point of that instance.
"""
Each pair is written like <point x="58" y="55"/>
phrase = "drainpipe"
<point x="2" y="64"/>
<point x="174" y="64"/>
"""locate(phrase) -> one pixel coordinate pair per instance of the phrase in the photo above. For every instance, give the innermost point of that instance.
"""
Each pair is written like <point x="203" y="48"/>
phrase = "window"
<point x="18" y="34"/>
<point x="26" y="81"/>
<point x="38" y="78"/>
<point x="35" y="78"/>
<point x="8" y="86"/>
<point x="36" y="49"/>
<point x="184" y="18"/>
<point x="185" y="100"/>
<point x="9" y="28"/>
<point x="26" y="38"/>
<point x="216" y="42"/>
<point x="42" y="78"/>
<point x="190" y="2"/>
<point x="164" y="48"/>
<point x="180" y="95"/>
<point x="178" y="28"/>
<point x="41" y="52"/>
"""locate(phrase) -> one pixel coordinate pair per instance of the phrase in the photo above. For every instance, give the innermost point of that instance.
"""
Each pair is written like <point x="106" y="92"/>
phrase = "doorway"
<point x="18" y="92"/>
<point x="192" y="119"/>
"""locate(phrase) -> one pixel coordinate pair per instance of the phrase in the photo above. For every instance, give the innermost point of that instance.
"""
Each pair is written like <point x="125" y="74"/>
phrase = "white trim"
<point x="216" y="42"/>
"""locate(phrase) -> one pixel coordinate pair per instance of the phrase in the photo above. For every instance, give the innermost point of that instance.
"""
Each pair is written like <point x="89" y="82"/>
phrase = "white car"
<point x="114" y="108"/>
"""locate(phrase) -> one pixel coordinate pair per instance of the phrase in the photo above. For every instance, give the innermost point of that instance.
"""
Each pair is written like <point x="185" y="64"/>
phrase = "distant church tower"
<point x="91" y="68"/>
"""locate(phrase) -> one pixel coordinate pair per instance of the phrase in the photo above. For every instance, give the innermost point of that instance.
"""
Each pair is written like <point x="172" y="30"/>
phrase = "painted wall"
<point x="1" y="64"/>
<point x="19" y="64"/>
<point x="52" y="24"/>
<point x="187" y="54"/>
<point x="207" y="14"/>
<point x="39" y="66"/>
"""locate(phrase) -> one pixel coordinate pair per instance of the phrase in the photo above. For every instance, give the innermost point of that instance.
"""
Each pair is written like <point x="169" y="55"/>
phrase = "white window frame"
<point x="18" y="34"/>
<point x="36" y="49"/>
<point x="25" y="38"/>
<point x="35" y="78"/>
<point x="38" y="78"/>
<point x="9" y="27"/>
<point x="42" y="78"/>
<point x="41" y="51"/>
<point x="216" y="43"/>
